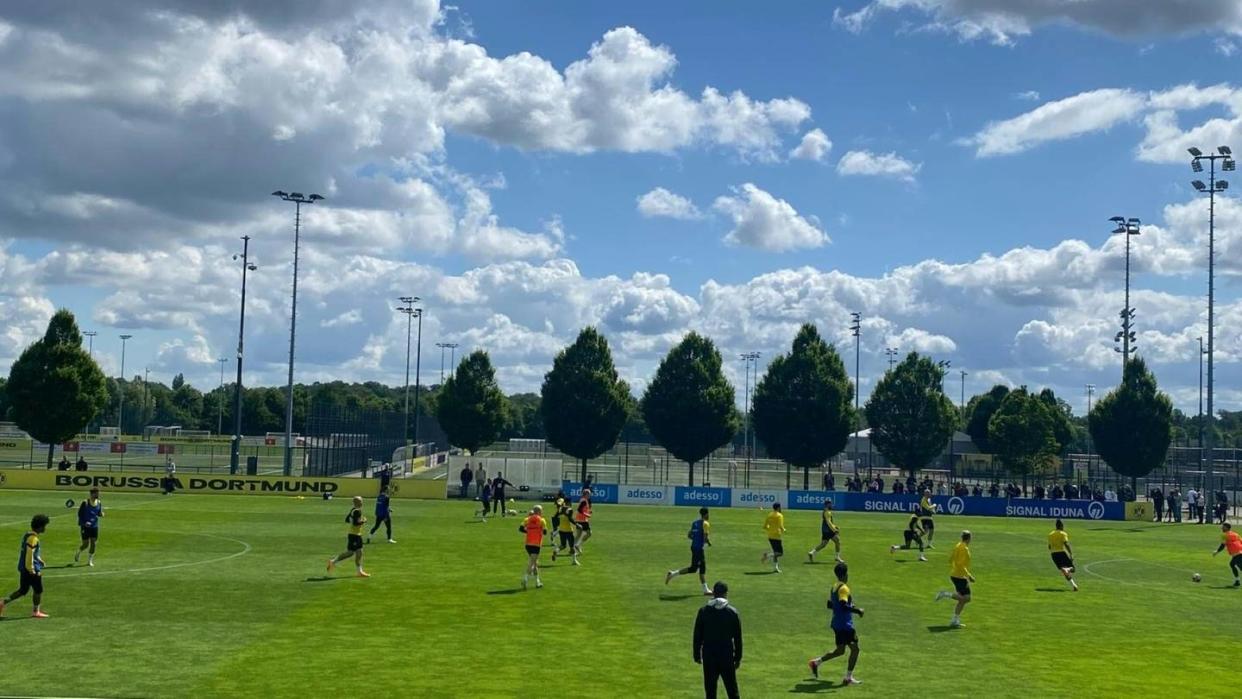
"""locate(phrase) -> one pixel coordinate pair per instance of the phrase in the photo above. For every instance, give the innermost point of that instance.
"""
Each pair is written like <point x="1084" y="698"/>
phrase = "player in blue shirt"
<point x="383" y="513"/>
<point x="30" y="567"/>
<point x="841" y="603"/>
<point x="700" y="537"/>
<point x="89" y="513"/>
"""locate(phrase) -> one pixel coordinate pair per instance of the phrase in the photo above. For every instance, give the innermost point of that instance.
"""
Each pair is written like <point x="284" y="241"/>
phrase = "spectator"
<point x="1222" y="507"/>
<point x="480" y="475"/>
<point x="1174" y="505"/>
<point x="466" y="476"/>
<point x="994" y="491"/>
<point x="170" y="476"/>
<point x="1192" y="504"/>
<point x="718" y="642"/>
<point x="1071" y="491"/>
<point x="1056" y="492"/>
<point x="1109" y="495"/>
<point x="81" y="465"/>
<point x="897" y="487"/>
<point x="977" y="491"/>
<point x="1126" y="494"/>
<point x="910" y="484"/>
<point x="385" y="476"/>
<point x="1157" y="503"/>
<point x="498" y="494"/>
<point x="1039" y="492"/>
<point x="829" y="481"/>
<point x="64" y="463"/>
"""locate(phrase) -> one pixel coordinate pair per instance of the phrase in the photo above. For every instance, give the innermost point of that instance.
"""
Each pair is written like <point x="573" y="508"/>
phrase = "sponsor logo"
<point x="218" y="485"/>
<point x="8" y="445"/>
<point x="643" y="494"/>
<point x="2" y="478"/>
<point x="758" y="498"/>
<point x="956" y="506"/>
<point x="816" y="499"/>
<point x="1095" y="510"/>
<point x="700" y="496"/>
<point x="884" y="506"/>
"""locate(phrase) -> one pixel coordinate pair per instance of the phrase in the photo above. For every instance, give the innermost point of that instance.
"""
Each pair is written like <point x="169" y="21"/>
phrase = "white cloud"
<point x="1000" y="21"/>
<point x="1028" y="96"/>
<point x="864" y="162"/>
<point x="1059" y="120"/>
<point x="660" y="202"/>
<point x="814" y="146"/>
<point x="762" y="221"/>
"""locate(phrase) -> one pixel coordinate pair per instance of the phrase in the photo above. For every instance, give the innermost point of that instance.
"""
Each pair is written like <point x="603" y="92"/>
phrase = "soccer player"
<point x="913" y="534"/>
<point x="828" y="531"/>
<point x="700" y="537"/>
<point x="1062" y="553"/>
<point x="353" y="547"/>
<point x="1230" y="540"/>
<point x="582" y="521"/>
<point x="534" y="527"/>
<point x="841" y="604"/>
<point x="485" y="497"/>
<point x="30" y="567"/>
<point x="89" y="513"/>
<point x="926" y="509"/>
<point x="383" y="514"/>
<point x="563" y="523"/>
<point x="498" y="494"/>
<point x="774" y="525"/>
<point x="959" y="573"/>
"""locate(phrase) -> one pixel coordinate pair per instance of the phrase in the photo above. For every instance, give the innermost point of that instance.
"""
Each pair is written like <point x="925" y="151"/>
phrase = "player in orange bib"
<point x="534" y="527"/>
<point x="1229" y="540"/>
<point x="582" y="522"/>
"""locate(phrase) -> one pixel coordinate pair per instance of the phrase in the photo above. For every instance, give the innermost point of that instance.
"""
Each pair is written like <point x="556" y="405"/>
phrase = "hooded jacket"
<point x="718" y="633"/>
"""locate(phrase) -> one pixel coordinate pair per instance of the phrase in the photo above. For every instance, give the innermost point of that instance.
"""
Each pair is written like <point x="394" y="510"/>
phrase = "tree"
<point x="471" y="408"/>
<point x="1131" y="426"/>
<point x="801" y="407"/>
<point x="910" y="416"/>
<point x="584" y="403"/>
<point x="54" y="386"/>
<point x="1023" y="432"/>
<point x="979" y="414"/>
<point x="1060" y="413"/>
<point x="689" y="407"/>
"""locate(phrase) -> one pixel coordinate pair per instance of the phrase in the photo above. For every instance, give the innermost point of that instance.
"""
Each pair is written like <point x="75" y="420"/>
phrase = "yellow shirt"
<point x="774" y="525"/>
<point x="828" y="523"/>
<point x="1057" y="541"/>
<point x="959" y="561"/>
<point x="566" y="522"/>
<point x="355" y="519"/>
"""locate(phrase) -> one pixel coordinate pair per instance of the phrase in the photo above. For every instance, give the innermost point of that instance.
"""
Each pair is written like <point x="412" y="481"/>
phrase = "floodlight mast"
<point x="1128" y="227"/>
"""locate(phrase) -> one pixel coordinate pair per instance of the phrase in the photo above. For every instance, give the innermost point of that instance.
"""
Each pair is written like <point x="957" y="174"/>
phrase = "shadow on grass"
<point x="510" y="591"/>
<point x="814" y="687"/>
<point x="66" y="565"/>
<point x="942" y="629"/>
<point x="760" y="572"/>
<point x="677" y="598"/>
<point x="1130" y="530"/>
<point x="476" y="521"/>
<point x="1051" y="589"/>
<point x="327" y="578"/>
<point x="1222" y="587"/>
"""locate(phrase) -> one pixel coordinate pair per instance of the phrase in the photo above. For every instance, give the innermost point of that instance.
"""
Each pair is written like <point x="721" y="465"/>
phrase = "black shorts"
<point x="556" y="522"/>
<point x="354" y="542"/>
<point x="911" y="537"/>
<point x="962" y="585"/>
<point x="1062" y="559"/>
<point x="829" y="536"/>
<point x="533" y="549"/>
<point x="584" y="526"/>
<point x="30" y="581"/>
<point x="567" y="539"/>
<point x="778" y="547"/>
<point x="90" y="533"/>
<point x="1236" y="561"/>
<point x="845" y="636"/>
<point x="698" y="561"/>
<point x="929" y="525"/>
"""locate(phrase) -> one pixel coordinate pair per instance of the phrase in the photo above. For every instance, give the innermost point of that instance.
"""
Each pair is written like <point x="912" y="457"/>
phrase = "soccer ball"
<point x="69" y="503"/>
<point x="1196" y="577"/>
<point x="512" y="513"/>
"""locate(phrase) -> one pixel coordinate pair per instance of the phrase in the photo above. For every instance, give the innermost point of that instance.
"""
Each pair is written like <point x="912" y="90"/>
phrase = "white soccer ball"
<point x="1196" y="577"/>
<point x="512" y="512"/>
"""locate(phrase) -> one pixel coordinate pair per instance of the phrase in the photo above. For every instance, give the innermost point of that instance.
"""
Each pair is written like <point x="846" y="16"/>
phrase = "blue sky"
<point x="490" y="157"/>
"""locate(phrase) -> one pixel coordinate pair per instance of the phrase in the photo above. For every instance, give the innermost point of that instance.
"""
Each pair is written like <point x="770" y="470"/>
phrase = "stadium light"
<point x="748" y="439"/>
<point x="1225" y="155"/>
<point x="1196" y="166"/>
<point x="298" y="200"/>
<point x="892" y="356"/>
<point x="235" y="447"/>
<point x="90" y="335"/>
<point x="1129" y="227"/>
<point x="856" y="331"/>
<point x="410" y="311"/>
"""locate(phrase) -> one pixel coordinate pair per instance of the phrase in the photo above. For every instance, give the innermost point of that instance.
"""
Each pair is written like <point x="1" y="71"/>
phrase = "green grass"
<point x="441" y="617"/>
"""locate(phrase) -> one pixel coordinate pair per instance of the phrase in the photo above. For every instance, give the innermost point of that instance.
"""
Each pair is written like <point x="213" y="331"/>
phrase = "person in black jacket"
<point x="718" y="642"/>
<point x="498" y="494"/>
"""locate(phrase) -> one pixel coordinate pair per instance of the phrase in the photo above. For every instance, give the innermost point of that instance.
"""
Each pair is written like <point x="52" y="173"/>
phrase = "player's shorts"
<point x="567" y="539"/>
<point x="827" y="535"/>
<point x="584" y="526"/>
<point x="354" y="542"/>
<point x="29" y="582"/>
<point x="962" y="585"/>
<point x="910" y="536"/>
<point x="532" y="549"/>
<point x="845" y="636"/>
<point x="698" y="561"/>
<point x="556" y="522"/>
<point x="778" y="547"/>
<point x="90" y="533"/>
<point x="929" y="524"/>
<point x="1236" y="561"/>
<point x="1062" y="559"/>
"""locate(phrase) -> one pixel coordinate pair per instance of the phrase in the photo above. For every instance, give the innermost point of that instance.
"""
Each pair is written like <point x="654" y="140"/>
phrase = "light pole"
<point x="1129" y="227"/>
<point x="235" y="450"/>
<point x="443" y="346"/>
<point x="90" y="338"/>
<point x="418" y="361"/>
<point x="1227" y="164"/>
<point x="220" y="399"/>
<point x="298" y="200"/>
<point x="410" y="311"/>
<point x="749" y="358"/>
<point x="856" y="331"/>
<point x="120" y="411"/>
<point x="1090" y="395"/>
<point x="892" y="356"/>
<point x="1201" y="353"/>
<point x="452" y="359"/>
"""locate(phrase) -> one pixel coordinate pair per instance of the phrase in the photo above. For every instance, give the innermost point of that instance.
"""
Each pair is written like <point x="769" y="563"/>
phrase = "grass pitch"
<point x="227" y="596"/>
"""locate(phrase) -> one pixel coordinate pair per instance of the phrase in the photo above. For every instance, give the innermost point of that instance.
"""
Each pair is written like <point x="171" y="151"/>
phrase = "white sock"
<point x="674" y="573"/>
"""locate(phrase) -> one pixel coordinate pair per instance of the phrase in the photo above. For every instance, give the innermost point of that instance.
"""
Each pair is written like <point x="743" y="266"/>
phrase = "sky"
<point x="945" y="168"/>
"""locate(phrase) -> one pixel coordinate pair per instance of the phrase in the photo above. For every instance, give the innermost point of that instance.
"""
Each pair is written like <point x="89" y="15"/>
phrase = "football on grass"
<point x="1196" y="577"/>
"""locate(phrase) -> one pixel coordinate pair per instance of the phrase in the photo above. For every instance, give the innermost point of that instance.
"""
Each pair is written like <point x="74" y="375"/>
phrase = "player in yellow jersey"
<point x="30" y="567"/>
<point x="926" y="509"/>
<point x="353" y="546"/>
<point x="959" y="573"/>
<point x="563" y="522"/>
<point x="1062" y="553"/>
<point x="828" y="531"/>
<point x="774" y="526"/>
<point x="913" y="534"/>
<point x="534" y="527"/>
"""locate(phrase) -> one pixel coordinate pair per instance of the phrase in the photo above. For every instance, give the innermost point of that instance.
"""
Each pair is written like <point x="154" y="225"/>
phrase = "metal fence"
<point x="343" y="440"/>
<point x="192" y="458"/>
